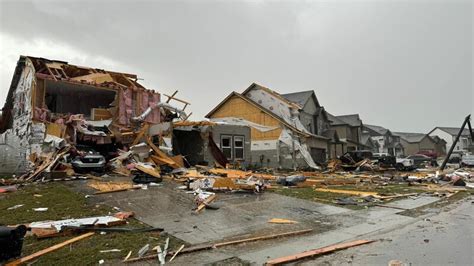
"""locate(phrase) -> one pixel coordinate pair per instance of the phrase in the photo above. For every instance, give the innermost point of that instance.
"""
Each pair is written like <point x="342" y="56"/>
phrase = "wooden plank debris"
<point x="281" y="221"/>
<point x="227" y="243"/>
<point x="176" y="253"/>
<point x="48" y="250"/>
<point x="206" y="201"/>
<point x="109" y="187"/>
<point x="319" y="251"/>
<point x="348" y="192"/>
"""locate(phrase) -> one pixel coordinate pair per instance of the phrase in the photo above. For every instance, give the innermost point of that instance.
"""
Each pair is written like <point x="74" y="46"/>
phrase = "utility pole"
<point x="467" y="121"/>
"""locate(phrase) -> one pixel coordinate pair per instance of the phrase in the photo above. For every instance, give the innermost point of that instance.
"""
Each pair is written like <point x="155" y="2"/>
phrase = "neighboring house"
<point x="369" y="143"/>
<point x="449" y="134"/>
<point x="388" y="142"/>
<point x="288" y="138"/>
<point x="314" y="118"/>
<point x="414" y="143"/>
<point x="349" y="133"/>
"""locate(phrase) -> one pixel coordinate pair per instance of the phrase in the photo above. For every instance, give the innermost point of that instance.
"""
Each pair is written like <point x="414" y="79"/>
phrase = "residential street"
<point x="442" y="239"/>
<point x="238" y="133"/>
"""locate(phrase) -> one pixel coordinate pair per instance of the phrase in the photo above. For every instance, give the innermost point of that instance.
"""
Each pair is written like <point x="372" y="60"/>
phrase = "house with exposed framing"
<point x="70" y="102"/>
<point x="288" y="144"/>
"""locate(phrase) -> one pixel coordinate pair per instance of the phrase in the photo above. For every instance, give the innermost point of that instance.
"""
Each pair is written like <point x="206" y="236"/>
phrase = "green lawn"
<point x="308" y="193"/>
<point x="63" y="204"/>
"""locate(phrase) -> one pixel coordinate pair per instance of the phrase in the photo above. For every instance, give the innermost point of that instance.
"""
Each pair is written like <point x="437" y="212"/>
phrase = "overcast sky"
<point x="405" y="65"/>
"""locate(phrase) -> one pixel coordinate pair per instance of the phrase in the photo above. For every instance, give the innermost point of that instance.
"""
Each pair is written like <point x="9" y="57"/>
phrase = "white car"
<point x="405" y="164"/>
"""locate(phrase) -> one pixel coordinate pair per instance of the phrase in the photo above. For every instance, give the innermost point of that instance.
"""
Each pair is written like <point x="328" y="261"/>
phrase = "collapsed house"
<point x="52" y="103"/>
<point x="285" y="142"/>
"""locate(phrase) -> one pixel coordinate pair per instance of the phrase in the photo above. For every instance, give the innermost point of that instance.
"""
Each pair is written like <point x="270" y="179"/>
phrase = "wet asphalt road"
<point x="446" y="238"/>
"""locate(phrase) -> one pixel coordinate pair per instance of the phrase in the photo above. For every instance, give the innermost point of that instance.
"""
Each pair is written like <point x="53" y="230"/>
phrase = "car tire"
<point x="399" y="167"/>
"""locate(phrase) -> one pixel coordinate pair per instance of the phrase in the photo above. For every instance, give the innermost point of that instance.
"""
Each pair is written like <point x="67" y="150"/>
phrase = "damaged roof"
<point x="259" y="107"/>
<point x="377" y="129"/>
<point x="61" y="70"/>
<point x="300" y="98"/>
<point x="274" y="93"/>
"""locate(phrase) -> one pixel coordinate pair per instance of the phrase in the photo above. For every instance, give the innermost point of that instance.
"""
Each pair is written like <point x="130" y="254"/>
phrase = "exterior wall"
<point x="308" y="115"/>
<point x="410" y="148"/>
<point x="427" y="144"/>
<point x="308" y="121"/>
<point x="232" y="130"/>
<point x="382" y="143"/>
<point x="342" y="131"/>
<point x="17" y="143"/>
<point x="236" y="107"/>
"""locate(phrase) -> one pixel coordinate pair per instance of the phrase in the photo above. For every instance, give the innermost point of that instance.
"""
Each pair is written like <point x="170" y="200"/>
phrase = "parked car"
<point x="355" y="156"/>
<point x="421" y="160"/>
<point x="405" y="164"/>
<point x="402" y="164"/>
<point x="88" y="160"/>
<point x="431" y="154"/>
<point x="467" y="161"/>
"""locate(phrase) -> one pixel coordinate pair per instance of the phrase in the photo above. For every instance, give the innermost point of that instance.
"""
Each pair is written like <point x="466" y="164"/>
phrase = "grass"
<point x="308" y="193"/>
<point x="63" y="203"/>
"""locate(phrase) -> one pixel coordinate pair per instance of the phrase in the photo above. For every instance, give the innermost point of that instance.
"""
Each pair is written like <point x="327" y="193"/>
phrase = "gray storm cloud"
<point x="406" y="65"/>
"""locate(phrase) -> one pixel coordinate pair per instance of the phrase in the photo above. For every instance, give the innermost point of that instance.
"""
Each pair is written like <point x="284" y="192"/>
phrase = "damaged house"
<point x="278" y="137"/>
<point x="51" y="103"/>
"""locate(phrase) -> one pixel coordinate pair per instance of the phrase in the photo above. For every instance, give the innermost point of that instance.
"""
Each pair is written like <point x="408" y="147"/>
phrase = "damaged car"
<point x="88" y="160"/>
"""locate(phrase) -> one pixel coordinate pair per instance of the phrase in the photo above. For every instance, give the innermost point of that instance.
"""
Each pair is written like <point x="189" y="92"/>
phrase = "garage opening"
<point x="67" y="98"/>
<point x="189" y="144"/>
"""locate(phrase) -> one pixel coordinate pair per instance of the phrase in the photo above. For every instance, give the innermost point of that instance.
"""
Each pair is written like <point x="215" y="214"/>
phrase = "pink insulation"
<point x="127" y="108"/>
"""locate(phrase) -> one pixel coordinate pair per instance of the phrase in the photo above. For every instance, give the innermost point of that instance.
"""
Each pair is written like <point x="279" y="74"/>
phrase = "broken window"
<point x="239" y="147"/>
<point x="226" y="146"/>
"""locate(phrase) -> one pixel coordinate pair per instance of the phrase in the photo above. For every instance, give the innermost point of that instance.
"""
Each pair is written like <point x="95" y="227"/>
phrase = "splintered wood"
<point x="239" y="174"/>
<point x="48" y="250"/>
<point x="348" y="192"/>
<point x="319" y="251"/>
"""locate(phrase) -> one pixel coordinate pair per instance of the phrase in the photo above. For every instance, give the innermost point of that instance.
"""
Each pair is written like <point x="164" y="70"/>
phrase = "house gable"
<point x="235" y="106"/>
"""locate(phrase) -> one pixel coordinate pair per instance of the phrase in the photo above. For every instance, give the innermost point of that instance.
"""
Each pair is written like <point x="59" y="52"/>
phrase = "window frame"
<point x="242" y="137"/>
<point x="231" y="140"/>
